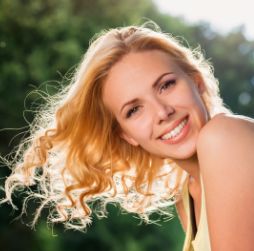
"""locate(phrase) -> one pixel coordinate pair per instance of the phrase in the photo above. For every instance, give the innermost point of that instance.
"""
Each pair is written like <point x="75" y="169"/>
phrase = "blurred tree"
<point x="233" y="58"/>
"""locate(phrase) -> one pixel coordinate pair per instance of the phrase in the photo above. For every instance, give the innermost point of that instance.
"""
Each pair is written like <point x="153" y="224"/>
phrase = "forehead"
<point x="133" y="72"/>
<point x="135" y="63"/>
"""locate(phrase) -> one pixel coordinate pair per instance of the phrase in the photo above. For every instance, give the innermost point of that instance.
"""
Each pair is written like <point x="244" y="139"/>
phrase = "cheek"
<point x="140" y="129"/>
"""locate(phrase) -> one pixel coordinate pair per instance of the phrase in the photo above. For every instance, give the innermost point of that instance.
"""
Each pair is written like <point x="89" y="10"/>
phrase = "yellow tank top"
<point x="201" y="242"/>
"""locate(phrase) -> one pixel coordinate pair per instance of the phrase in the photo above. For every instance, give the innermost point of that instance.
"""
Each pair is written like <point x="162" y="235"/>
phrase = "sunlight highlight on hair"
<point x="74" y="153"/>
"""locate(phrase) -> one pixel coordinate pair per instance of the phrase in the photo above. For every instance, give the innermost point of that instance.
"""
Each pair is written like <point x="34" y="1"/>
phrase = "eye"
<point x="167" y="84"/>
<point x="131" y="111"/>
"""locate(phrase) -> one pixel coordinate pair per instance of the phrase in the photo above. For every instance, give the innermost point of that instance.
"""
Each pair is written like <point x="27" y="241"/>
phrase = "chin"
<point x="183" y="154"/>
<point x="186" y="156"/>
<point x="176" y="156"/>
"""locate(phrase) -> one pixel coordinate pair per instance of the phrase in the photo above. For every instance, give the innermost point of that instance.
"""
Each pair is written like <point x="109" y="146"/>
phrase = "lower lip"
<point x="180" y="136"/>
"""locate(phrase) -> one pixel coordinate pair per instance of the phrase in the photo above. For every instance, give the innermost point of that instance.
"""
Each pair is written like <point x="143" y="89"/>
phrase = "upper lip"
<point x="173" y="126"/>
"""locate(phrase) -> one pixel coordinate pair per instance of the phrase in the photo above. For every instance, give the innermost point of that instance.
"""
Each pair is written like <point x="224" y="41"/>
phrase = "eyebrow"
<point x="156" y="82"/>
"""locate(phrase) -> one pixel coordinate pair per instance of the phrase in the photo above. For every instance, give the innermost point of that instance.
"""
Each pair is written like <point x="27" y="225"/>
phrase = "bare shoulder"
<point x="223" y="122"/>
<point x="224" y="130"/>
<point x="226" y="145"/>
<point x="225" y="151"/>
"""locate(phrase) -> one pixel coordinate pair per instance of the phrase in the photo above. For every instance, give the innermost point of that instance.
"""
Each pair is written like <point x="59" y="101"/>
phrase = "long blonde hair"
<point x="75" y="154"/>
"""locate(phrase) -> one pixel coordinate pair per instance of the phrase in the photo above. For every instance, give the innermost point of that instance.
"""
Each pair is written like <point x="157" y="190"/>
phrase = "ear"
<point x="199" y="83"/>
<point x="128" y="139"/>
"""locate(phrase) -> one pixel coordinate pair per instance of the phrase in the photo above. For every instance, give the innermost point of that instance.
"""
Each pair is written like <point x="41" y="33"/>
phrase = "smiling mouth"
<point x="176" y="131"/>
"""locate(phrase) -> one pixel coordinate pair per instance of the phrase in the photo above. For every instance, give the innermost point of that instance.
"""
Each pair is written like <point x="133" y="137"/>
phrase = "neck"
<point x="191" y="166"/>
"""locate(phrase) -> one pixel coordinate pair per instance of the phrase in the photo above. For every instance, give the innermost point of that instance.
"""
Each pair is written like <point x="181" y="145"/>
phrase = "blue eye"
<point x="132" y="111"/>
<point x="167" y="84"/>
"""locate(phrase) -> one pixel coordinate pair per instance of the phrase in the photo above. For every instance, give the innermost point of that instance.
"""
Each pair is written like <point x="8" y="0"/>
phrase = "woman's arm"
<point x="226" y="154"/>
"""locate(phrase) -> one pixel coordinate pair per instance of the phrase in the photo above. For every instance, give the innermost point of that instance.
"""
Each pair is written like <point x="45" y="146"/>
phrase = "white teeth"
<point x="175" y="131"/>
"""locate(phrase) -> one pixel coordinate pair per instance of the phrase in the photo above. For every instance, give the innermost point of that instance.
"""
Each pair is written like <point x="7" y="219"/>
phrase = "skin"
<point x="228" y="174"/>
<point x="149" y="94"/>
<point x="157" y="105"/>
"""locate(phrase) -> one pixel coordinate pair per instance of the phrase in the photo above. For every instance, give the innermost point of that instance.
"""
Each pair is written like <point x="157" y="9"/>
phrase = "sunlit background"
<point x="223" y="16"/>
<point x="41" y="43"/>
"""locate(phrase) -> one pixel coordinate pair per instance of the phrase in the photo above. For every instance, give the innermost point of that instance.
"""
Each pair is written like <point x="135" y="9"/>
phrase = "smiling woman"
<point x="142" y="124"/>
<point x="142" y="96"/>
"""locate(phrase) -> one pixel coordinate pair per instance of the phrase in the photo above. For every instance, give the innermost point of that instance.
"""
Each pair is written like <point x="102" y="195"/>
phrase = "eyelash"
<point x="131" y="111"/>
<point x="167" y="84"/>
<point x="164" y="86"/>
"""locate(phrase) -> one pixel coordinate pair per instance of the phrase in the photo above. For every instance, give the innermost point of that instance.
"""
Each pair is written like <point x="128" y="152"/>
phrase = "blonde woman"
<point x="142" y="124"/>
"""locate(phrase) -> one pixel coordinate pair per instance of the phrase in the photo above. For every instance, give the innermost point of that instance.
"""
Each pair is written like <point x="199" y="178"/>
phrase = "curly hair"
<point x="75" y="154"/>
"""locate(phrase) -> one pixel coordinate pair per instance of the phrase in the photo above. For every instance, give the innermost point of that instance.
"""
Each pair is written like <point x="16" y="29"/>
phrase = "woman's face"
<point x="157" y="105"/>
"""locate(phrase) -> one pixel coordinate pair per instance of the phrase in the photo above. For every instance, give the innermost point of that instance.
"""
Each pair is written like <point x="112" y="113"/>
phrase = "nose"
<point x="162" y="111"/>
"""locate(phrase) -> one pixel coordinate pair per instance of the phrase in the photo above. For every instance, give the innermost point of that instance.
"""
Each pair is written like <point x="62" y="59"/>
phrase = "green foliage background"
<point x="41" y="41"/>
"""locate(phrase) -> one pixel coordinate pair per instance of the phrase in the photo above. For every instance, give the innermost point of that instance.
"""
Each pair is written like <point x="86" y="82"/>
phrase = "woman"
<point x="142" y="124"/>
